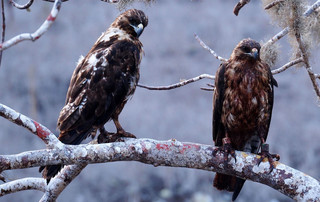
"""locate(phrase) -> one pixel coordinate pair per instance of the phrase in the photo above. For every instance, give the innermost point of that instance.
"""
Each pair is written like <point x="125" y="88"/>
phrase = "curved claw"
<point x="122" y="133"/>
<point x="226" y="149"/>
<point x="265" y="154"/>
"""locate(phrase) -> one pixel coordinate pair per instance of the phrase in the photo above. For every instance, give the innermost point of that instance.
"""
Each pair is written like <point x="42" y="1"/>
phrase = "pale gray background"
<point x="34" y="78"/>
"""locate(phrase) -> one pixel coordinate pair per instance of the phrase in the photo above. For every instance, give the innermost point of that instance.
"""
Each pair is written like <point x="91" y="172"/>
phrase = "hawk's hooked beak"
<point x="138" y="29"/>
<point x="254" y="53"/>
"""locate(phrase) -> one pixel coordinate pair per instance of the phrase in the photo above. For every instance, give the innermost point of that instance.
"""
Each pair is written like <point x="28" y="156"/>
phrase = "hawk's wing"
<point x="265" y="126"/>
<point x="100" y="84"/>
<point x="217" y="127"/>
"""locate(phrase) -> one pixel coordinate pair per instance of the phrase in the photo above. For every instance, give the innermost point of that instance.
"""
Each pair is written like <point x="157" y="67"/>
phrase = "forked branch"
<point x="173" y="153"/>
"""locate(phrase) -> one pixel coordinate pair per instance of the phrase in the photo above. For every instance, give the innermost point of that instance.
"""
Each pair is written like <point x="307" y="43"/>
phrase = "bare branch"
<point x="287" y="180"/>
<point x="36" y="128"/>
<point x="288" y="65"/>
<point x="239" y="5"/>
<point x="23" y="184"/>
<point x="177" y="85"/>
<point x="312" y="8"/>
<point x="38" y="33"/>
<point x="272" y="4"/>
<point x="61" y="181"/>
<point x="25" y="6"/>
<point x="209" y="49"/>
<point x="278" y="36"/>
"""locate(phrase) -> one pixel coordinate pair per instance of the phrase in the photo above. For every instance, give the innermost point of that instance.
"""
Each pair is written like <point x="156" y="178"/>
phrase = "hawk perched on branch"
<point x="102" y="83"/>
<point x="242" y="108"/>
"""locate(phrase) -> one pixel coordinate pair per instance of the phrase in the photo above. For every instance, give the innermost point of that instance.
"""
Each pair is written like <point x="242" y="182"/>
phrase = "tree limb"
<point x="177" y="85"/>
<point x="288" y="65"/>
<point x="34" y="127"/>
<point x="25" y="6"/>
<point x="23" y="184"/>
<point x="285" y="179"/>
<point x="38" y="33"/>
<point x="239" y="5"/>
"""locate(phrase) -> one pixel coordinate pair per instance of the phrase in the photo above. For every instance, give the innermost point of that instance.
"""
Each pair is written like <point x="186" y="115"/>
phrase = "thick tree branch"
<point x="39" y="32"/>
<point x="23" y="184"/>
<point x="285" y="179"/>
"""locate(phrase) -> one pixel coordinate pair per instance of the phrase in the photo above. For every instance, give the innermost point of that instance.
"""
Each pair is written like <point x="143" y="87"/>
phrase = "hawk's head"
<point x="132" y="21"/>
<point x="247" y="49"/>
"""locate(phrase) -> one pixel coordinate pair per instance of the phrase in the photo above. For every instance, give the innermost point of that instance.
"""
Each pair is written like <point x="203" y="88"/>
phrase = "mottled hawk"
<point x="242" y="108"/>
<point x="102" y="83"/>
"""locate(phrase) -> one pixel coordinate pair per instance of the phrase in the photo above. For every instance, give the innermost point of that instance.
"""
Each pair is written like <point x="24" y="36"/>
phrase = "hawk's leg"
<point x="266" y="154"/>
<point x="226" y="149"/>
<point x="120" y="131"/>
<point x="106" y="137"/>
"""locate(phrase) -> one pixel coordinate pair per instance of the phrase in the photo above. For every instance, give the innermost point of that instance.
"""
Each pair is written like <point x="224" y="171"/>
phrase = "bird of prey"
<point x="102" y="83"/>
<point x="242" y="108"/>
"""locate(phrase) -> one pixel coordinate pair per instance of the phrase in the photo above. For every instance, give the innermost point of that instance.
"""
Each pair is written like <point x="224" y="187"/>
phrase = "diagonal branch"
<point x="39" y="32"/>
<point x="209" y="49"/>
<point x="34" y="127"/>
<point x="173" y="153"/>
<point x="288" y="65"/>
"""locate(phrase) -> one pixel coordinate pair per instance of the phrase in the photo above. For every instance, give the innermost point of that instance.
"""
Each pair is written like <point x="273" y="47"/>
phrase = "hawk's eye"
<point x="246" y="49"/>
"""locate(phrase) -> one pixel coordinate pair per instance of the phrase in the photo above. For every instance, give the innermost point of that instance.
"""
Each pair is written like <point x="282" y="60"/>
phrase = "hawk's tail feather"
<point x="228" y="183"/>
<point x="49" y="172"/>
<point x="224" y="182"/>
<point x="238" y="187"/>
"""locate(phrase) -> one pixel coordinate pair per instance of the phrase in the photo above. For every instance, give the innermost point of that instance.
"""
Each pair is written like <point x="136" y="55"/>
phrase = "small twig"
<point x="25" y="6"/>
<point x="3" y="28"/>
<point x="177" y="85"/>
<point x="317" y="76"/>
<point x="207" y="89"/>
<point x="23" y="184"/>
<point x="38" y="33"/>
<point x="209" y="49"/>
<point x="239" y="5"/>
<point x="272" y="4"/>
<point x="286" y="66"/>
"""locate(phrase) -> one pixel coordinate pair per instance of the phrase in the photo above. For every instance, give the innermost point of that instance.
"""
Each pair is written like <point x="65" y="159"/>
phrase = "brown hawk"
<point x="242" y="108"/>
<point x="102" y="83"/>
